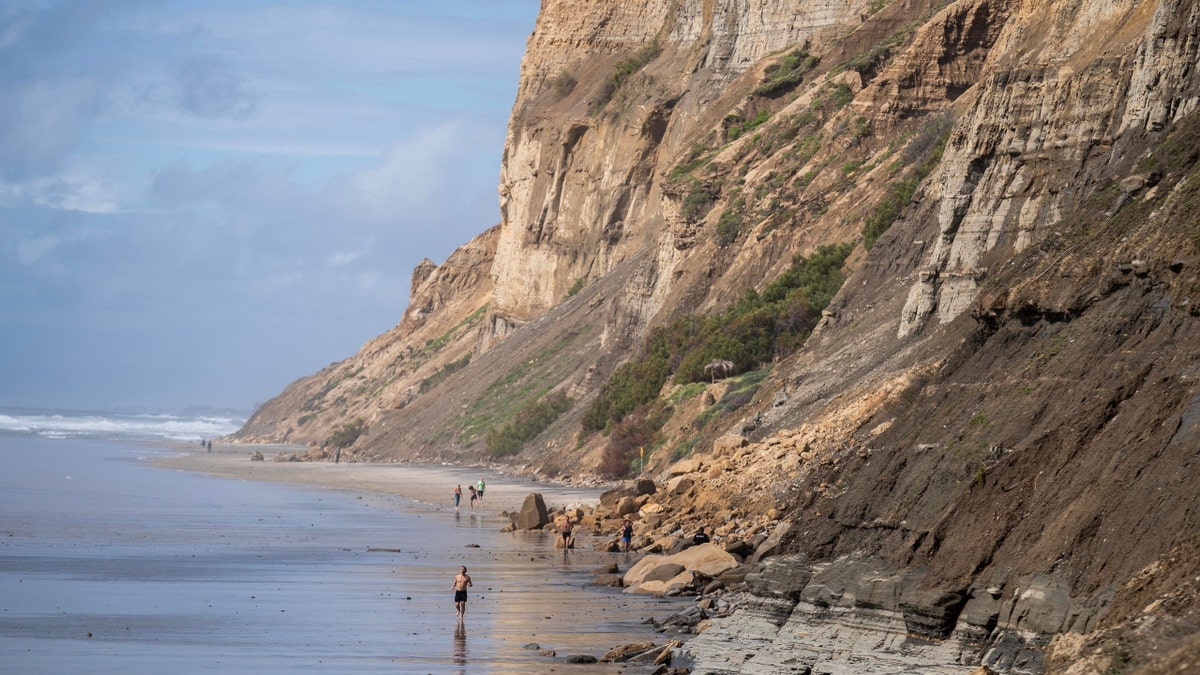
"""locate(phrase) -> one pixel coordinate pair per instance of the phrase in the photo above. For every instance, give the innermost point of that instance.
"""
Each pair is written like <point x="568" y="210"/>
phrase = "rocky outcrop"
<point x="444" y="317"/>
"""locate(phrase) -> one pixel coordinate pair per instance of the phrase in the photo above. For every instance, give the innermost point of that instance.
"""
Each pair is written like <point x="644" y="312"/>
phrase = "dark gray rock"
<point x="781" y="577"/>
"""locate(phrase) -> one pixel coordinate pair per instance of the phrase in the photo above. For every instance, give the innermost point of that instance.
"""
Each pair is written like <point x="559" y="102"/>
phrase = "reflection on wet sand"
<point x="460" y="645"/>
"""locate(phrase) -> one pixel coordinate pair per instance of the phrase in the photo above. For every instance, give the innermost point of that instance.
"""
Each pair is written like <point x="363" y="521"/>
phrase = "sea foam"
<point x="118" y="425"/>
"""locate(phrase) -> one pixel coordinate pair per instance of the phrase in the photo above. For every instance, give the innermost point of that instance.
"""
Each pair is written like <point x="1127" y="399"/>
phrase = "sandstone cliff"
<point x="990" y="439"/>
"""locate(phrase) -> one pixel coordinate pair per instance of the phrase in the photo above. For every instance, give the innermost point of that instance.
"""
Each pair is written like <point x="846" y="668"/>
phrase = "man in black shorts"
<point x="461" y="583"/>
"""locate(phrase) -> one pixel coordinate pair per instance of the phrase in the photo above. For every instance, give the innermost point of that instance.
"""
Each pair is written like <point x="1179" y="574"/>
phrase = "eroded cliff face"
<point x="986" y="452"/>
<point x="580" y="185"/>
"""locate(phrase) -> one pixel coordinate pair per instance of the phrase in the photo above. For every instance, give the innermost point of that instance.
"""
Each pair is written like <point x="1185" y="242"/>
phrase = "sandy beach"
<point x="429" y="484"/>
<point x="129" y="558"/>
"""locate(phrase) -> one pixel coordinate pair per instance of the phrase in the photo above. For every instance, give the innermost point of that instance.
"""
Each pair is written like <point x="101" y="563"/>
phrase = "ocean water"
<point x="125" y="426"/>
<point x="110" y="565"/>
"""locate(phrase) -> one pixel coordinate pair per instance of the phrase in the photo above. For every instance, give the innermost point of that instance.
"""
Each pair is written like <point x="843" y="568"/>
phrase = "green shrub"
<point x="698" y="202"/>
<point x="926" y="147"/>
<point x="841" y="96"/>
<point x="563" y="84"/>
<point x="624" y="69"/>
<point x="787" y="74"/>
<point x="530" y="421"/>
<point x="346" y="434"/>
<point x="731" y="222"/>
<point x="444" y="372"/>
<point x="698" y="157"/>
<point x="758" y="328"/>
<point x="630" y="439"/>
<point x="738" y="126"/>
<point x="635" y="383"/>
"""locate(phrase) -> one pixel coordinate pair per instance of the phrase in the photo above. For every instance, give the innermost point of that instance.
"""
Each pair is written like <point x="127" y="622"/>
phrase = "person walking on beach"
<point x="565" y="525"/>
<point x="480" y="487"/>
<point x="626" y="534"/>
<point x="474" y="496"/>
<point x="457" y="496"/>
<point x="460" y="585"/>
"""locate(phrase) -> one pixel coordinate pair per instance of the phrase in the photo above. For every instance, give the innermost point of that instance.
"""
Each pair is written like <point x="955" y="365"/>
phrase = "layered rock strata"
<point x="985" y="454"/>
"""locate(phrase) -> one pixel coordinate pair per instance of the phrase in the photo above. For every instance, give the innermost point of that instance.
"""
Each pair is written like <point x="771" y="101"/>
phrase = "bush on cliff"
<point x="346" y="434"/>
<point x="925" y="150"/>
<point x="755" y="330"/>
<point x="783" y="77"/>
<point x="530" y="421"/>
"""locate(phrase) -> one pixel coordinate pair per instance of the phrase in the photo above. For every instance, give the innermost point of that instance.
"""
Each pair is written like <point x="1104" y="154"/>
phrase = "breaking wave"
<point x="119" y="426"/>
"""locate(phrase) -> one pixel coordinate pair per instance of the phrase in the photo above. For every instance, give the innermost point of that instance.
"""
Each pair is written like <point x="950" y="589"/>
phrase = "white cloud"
<point x="343" y="258"/>
<point x="413" y="174"/>
<point x="41" y="124"/>
<point x="235" y="171"/>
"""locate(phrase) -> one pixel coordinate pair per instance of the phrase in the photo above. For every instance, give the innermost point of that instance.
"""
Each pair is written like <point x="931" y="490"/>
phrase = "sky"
<point x="201" y="202"/>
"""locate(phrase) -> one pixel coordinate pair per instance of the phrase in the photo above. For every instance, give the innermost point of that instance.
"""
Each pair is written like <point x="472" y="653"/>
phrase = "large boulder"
<point x="633" y="488"/>
<point x="729" y="444"/>
<point x="636" y="574"/>
<point x="533" y="513"/>
<point x="707" y="559"/>
<point x="684" y="466"/>
<point x="784" y="533"/>
<point x="664" y="572"/>
<point x="627" y="506"/>
<point x="679" y="485"/>
<point x="655" y="572"/>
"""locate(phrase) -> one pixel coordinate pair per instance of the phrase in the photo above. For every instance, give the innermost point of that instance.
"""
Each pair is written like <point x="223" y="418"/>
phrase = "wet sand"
<point x="108" y="564"/>
<point x="426" y="483"/>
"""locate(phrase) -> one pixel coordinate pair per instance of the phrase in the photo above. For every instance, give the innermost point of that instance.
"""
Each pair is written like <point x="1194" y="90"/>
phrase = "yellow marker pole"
<point x="642" y="468"/>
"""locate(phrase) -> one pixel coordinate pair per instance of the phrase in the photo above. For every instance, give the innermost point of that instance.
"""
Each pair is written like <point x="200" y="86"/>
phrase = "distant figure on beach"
<point x="474" y="495"/>
<point x="479" y="486"/>
<point x="700" y="537"/>
<point x="457" y="496"/>
<point x="461" y="583"/>
<point x="626" y="535"/>
<point x="207" y="445"/>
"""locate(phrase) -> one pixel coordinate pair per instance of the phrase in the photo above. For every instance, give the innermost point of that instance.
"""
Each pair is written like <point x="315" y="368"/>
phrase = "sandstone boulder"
<point x="673" y="586"/>
<point x="650" y="574"/>
<point x="707" y="559"/>
<point x="636" y="574"/>
<point x="728" y="444"/>
<point x="533" y="514"/>
<point x="627" y="506"/>
<point x="633" y="488"/>
<point x="664" y="572"/>
<point x="684" y="466"/>
<point x="679" y="485"/>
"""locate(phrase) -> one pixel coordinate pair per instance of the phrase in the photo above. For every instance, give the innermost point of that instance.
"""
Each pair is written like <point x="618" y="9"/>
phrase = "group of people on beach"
<point x="462" y="581"/>
<point x="476" y="491"/>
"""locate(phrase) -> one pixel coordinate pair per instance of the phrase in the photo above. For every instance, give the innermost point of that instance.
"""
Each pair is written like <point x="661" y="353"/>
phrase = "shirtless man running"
<point x="461" y="583"/>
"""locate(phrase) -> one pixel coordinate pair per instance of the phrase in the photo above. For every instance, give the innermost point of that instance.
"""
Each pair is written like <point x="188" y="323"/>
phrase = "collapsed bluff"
<point x="984" y="455"/>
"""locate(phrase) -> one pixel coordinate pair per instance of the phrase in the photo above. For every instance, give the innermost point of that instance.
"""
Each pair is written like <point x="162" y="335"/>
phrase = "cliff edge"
<point x="984" y="454"/>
